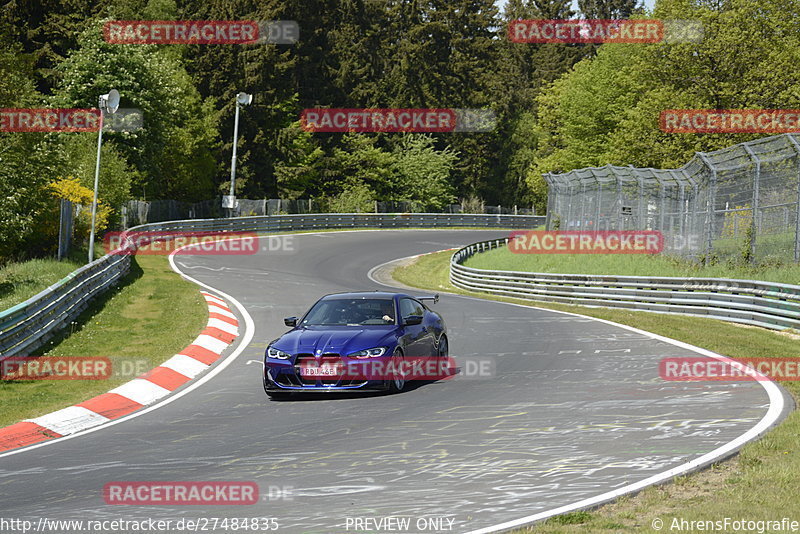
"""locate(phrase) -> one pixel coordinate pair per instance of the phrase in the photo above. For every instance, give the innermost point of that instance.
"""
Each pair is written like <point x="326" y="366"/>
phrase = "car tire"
<point x="277" y="395"/>
<point x="397" y="383"/>
<point x="443" y="350"/>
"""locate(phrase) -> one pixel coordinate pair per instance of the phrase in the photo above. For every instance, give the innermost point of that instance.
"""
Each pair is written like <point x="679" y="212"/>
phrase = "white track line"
<point x="776" y="407"/>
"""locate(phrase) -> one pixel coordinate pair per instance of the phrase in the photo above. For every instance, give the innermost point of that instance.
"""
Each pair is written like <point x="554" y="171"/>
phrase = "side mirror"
<point x="290" y="321"/>
<point x="411" y="320"/>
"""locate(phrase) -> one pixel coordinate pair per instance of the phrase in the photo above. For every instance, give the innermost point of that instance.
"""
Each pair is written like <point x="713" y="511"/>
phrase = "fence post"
<point x="569" y="206"/>
<point x="797" y="211"/>
<point x="756" y="181"/>
<point x="596" y="226"/>
<point x="662" y="201"/>
<point x="620" y="221"/>
<point x="691" y="203"/>
<point x="551" y="199"/>
<point x="641" y="208"/>
<point x="64" y="228"/>
<point x="712" y="193"/>
<point x="682" y="209"/>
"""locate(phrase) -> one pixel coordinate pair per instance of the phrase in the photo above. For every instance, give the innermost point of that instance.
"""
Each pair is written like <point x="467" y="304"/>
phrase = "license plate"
<point x="325" y="370"/>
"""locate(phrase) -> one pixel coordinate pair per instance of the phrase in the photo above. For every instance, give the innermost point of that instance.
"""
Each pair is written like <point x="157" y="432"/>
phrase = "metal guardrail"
<point x="27" y="326"/>
<point x="764" y="304"/>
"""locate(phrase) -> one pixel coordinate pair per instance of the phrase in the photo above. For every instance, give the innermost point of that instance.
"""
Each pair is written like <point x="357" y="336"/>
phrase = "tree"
<point x="76" y="155"/>
<point x="423" y="173"/>
<point x="173" y="151"/>
<point x="607" y="109"/>
<point x="24" y="162"/>
<point x="607" y="9"/>
<point x="299" y="169"/>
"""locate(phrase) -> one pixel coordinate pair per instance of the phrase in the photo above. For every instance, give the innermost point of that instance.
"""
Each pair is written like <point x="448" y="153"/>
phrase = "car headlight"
<point x="369" y="353"/>
<point x="279" y="354"/>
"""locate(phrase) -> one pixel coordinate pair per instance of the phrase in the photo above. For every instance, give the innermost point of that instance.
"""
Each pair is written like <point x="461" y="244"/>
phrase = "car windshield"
<point x="351" y="312"/>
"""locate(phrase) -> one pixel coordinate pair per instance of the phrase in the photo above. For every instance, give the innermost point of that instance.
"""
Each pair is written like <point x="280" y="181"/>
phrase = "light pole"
<point x="242" y="99"/>
<point x="109" y="102"/>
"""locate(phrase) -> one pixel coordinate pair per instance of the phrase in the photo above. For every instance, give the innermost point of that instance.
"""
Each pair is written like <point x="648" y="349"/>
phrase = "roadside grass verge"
<point x="150" y="316"/>
<point x="21" y="281"/>
<point x="759" y="483"/>
<point x="502" y="259"/>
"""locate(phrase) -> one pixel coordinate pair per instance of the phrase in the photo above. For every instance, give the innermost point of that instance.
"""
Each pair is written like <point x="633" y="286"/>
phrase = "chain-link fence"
<point x="136" y="212"/>
<point x="741" y="201"/>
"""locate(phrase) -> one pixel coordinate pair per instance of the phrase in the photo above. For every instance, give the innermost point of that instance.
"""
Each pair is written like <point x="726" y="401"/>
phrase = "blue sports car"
<point x="358" y="341"/>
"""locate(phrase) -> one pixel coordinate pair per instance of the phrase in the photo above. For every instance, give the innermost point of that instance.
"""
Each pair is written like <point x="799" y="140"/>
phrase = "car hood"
<point x="340" y="340"/>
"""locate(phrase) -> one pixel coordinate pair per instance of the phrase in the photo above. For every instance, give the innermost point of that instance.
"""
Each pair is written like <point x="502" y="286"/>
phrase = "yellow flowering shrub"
<point x="70" y="189"/>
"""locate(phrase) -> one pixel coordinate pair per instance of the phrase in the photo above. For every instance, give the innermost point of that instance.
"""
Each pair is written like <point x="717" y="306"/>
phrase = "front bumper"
<point x="286" y="375"/>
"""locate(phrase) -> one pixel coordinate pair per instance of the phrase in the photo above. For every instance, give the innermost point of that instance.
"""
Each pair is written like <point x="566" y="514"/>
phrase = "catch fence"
<point x="742" y="201"/>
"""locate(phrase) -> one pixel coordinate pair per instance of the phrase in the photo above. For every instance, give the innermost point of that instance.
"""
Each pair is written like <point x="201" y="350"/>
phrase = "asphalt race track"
<point x="575" y="409"/>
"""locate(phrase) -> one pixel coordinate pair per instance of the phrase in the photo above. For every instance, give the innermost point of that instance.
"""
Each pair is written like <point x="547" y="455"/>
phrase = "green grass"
<point x="760" y="483"/>
<point x="627" y="264"/>
<point x="150" y="316"/>
<point x="769" y="247"/>
<point x="23" y="280"/>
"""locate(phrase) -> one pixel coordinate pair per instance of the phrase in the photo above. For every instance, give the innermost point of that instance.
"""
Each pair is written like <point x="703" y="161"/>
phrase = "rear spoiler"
<point x="434" y="298"/>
